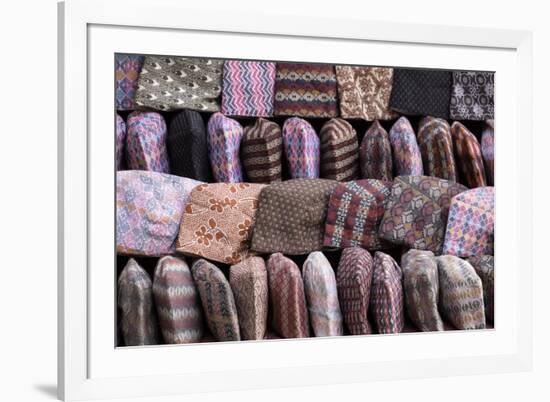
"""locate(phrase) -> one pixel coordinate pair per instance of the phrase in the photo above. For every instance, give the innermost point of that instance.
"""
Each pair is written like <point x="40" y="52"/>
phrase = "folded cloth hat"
<point x="386" y="296"/>
<point x="146" y="142"/>
<point x="172" y="83"/>
<point x="355" y="210"/>
<point x="217" y="221"/>
<point x="339" y="151"/>
<point x="488" y="151"/>
<point x="305" y="90"/>
<point x="471" y="223"/>
<point x="421" y="92"/>
<point x="187" y="146"/>
<point x="217" y="301"/>
<point x="291" y="216"/>
<point x="120" y="141"/>
<point x="353" y="280"/>
<point x="224" y="139"/>
<point x="407" y="159"/>
<point x="248" y="280"/>
<point x="127" y="69"/>
<point x="262" y="151"/>
<point x="421" y="288"/>
<point x="375" y="157"/>
<point x="248" y="88"/>
<point x="302" y="148"/>
<point x="468" y="156"/>
<point x="135" y="302"/>
<point x="472" y="96"/>
<point x="485" y="269"/>
<point x="460" y="293"/>
<point x="436" y="146"/>
<point x="177" y="301"/>
<point x="322" y="296"/>
<point x="149" y="206"/>
<point x="364" y="92"/>
<point x="288" y="300"/>
<point x="416" y="212"/>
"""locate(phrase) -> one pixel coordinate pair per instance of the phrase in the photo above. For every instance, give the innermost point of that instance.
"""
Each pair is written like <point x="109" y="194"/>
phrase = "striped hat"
<point x="488" y="151"/>
<point x="386" y="297"/>
<point x="468" y="156"/>
<point x="353" y="280"/>
<point x="187" y="146"/>
<point x="407" y="159"/>
<point x="485" y="269"/>
<point x="436" y="147"/>
<point x="146" y="142"/>
<point x="248" y="280"/>
<point x="322" y="296"/>
<point x="138" y="320"/>
<point x="375" y="157"/>
<point x="288" y="302"/>
<point x="217" y="301"/>
<point x="421" y="288"/>
<point x="127" y="69"/>
<point x="120" y="142"/>
<point x="177" y="301"/>
<point x="471" y="223"/>
<point x="460" y="293"/>
<point x="224" y="139"/>
<point x="261" y="151"/>
<point x="302" y="149"/>
<point x="248" y="88"/>
<point x="338" y="151"/>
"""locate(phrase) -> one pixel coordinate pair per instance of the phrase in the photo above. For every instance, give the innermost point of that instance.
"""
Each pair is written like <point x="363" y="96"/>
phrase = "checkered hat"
<point x="224" y="139"/>
<point x="146" y="142"/>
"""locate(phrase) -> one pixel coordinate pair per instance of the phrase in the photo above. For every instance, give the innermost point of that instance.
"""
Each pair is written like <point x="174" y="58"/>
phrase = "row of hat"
<point x="366" y="295"/>
<point x="223" y="151"/>
<point x="264" y="89"/>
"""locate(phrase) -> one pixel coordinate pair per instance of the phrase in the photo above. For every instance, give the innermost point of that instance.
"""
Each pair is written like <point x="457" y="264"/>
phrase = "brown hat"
<point x="339" y="151"/>
<point x="262" y="151"/>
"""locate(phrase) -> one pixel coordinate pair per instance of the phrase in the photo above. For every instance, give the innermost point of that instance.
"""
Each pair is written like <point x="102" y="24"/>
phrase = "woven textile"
<point x="407" y="159"/>
<point x="177" y="302"/>
<point x="322" y="296"/>
<point x="146" y="142"/>
<point x="291" y="216"/>
<point x="172" y="83"/>
<point x="302" y="149"/>
<point x="471" y="223"/>
<point x="127" y="69"/>
<point x="488" y="151"/>
<point x="217" y="301"/>
<point x="138" y="320"/>
<point x="473" y="95"/>
<point x="353" y="280"/>
<point x="485" y="269"/>
<point x="217" y="221"/>
<point x="421" y="92"/>
<point x="421" y="288"/>
<point x="364" y="92"/>
<point x="460" y="293"/>
<point x="305" y="90"/>
<point x="416" y="212"/>
<point x="289" y="317"/>
<point x="120" y="142"/>
<point x="248" y="280"/>
<point x="436" y="147"/>
<point x="262" y="151"/>
<point x="248" y="88"/>
<point x="468" y="156"/>
<point x="375" y="157"/>
<point x="187" y="146"/>
<point x="355" y="210"/>
<point x="224" y="139"/>
<point x="339" y="151"/>
<point x="149" y="206"/>
<point x="386" y="297"/>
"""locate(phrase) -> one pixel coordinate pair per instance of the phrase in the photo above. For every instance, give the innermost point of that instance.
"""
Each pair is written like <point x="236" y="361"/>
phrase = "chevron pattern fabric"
<point x="127" y="69"/>
<point x="146" y="142"/>
<point x="485" y="269"/>
<point x="375" y="155"/>
<point x="407" y="160"/>
<point x="488" y="151"/>
<point x="262" y="151"/>
<point x="302" y="149"/>
<point x="468" y="156"/>
<point x="120" y="143"/>
<point x="436" y="147"/>
<point x="248" y="88"/>
<point x="177" y="301"/>
<point x="224" y="140"/>
<point x="339" y="151"/>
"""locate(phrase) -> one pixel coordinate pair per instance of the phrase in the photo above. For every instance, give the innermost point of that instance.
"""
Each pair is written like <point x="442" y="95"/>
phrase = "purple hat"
<point x="302" y="148"/>
<point x="488" y="151"/>
<point x="127" y="69"/>
<point x="120" y="141"/>
<point x="224" y="140"/>
<point x="407" y="159"/>
<point x="375" y="157"/>
<point x="146" y="142"/>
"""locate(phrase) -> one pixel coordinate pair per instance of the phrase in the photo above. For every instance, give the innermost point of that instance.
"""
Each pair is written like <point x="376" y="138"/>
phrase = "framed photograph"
<point x="250" y="204"/>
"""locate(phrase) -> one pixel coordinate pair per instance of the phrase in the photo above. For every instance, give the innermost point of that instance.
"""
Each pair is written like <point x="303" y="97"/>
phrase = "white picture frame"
<point x="90" y="366"/>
